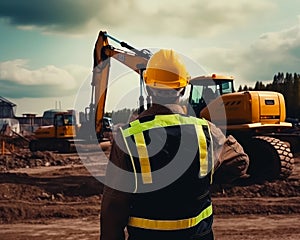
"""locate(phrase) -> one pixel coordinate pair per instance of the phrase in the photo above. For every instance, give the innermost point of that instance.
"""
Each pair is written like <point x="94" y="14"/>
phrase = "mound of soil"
<point x="23" y="158"/>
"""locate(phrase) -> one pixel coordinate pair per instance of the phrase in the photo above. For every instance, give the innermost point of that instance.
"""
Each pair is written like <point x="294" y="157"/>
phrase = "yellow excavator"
<point x="255" y="118"/>
<point x="57" y="135"/>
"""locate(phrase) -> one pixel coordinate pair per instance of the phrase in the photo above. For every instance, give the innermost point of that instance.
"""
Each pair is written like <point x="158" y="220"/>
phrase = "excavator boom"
<point x="103" y="51"/>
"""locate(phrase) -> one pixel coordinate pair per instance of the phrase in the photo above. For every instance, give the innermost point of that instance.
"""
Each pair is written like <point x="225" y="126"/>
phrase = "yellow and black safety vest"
<point x="172" y="161"/>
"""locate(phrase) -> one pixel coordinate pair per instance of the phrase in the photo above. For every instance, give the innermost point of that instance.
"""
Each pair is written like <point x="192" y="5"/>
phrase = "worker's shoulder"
<point x="168" y="119"/>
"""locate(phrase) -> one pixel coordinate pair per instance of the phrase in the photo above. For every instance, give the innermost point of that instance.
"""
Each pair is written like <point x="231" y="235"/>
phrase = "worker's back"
<point x="172" y="201"/>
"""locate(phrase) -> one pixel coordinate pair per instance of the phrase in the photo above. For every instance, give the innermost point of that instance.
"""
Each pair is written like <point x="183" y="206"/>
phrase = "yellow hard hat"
<point x="165" y="70"/>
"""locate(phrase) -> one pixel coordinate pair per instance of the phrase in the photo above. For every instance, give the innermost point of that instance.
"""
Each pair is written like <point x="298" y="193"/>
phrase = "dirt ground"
<point x="58" y="196"/>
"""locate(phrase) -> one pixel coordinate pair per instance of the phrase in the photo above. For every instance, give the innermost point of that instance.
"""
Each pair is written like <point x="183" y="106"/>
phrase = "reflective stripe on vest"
<point x="137" y="128"/>
<point x="203" y="151"/>
<point x="144" y="157"/>
<point x="170" y="224"/>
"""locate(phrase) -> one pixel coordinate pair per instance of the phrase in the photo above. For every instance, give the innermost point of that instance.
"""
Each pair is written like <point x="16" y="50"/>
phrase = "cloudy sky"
<point x="46" y="46"/>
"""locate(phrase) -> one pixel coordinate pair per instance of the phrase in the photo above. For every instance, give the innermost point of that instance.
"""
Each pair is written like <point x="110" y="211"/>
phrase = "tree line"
<point x="120" y="116"/>
<point x="288" y="85"/>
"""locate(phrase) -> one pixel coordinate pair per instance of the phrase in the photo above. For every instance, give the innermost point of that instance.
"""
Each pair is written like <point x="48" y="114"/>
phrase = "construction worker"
<point x="161" y="165"/>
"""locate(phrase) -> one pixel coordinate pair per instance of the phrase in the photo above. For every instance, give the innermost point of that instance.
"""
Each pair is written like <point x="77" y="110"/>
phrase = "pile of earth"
<point x="278" y="188"/>
<point x="24" y="158"/>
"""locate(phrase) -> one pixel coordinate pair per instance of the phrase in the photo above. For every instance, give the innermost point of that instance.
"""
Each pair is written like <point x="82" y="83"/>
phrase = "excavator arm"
<point x="103" y="51"/>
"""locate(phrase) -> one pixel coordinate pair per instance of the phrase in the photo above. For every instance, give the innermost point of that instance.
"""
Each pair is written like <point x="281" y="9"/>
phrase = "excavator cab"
<point x="205" y="89"/>
<point x="64" y="125"/>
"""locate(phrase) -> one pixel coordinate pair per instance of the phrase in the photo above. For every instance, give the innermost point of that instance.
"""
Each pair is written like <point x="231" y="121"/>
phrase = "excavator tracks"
<point x="270" y="158"/>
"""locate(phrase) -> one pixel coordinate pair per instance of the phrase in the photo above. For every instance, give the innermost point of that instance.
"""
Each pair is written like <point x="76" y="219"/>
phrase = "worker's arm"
<point x="115" y="203"/>
<point x="231" y="162"/>
<point x="114" y="214"/>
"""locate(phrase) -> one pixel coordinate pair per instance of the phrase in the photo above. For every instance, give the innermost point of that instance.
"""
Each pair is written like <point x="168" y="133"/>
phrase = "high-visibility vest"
<point x="182" y="204"/>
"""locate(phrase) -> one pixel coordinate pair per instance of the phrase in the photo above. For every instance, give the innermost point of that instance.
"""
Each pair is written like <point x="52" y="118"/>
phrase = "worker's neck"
<point x="172" y="107"/>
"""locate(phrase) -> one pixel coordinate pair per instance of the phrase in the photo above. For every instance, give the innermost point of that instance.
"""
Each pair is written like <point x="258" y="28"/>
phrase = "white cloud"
<point x="202" y="18"/>
<point x="16" y="71"/>
<point x="17" y="80"/>
<point x="273" y="52"/>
